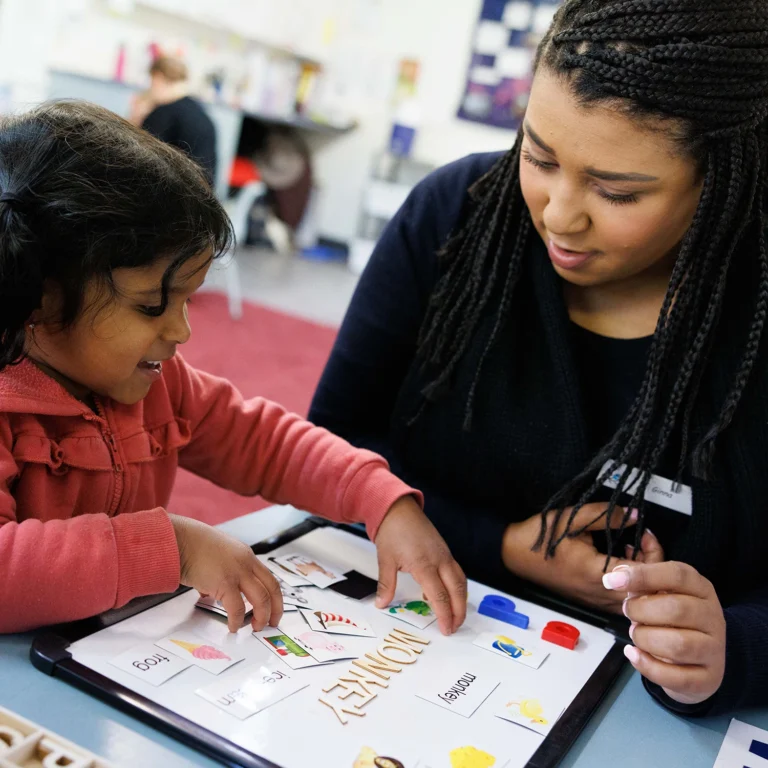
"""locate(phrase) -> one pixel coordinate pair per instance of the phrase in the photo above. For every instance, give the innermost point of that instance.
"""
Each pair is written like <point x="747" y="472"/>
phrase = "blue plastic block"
<point x="503" y="609"/>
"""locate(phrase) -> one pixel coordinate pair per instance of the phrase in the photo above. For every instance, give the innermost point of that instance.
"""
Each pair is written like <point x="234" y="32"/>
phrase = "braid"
<point x="703" y="64"/>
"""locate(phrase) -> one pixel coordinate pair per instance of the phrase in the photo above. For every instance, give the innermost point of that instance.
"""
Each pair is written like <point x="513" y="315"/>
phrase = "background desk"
<point x="629" y="729"/>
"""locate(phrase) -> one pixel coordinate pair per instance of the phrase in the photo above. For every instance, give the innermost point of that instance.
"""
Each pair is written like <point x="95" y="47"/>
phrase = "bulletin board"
<point x="410" y="720"/>
<point x="500" y="69"/>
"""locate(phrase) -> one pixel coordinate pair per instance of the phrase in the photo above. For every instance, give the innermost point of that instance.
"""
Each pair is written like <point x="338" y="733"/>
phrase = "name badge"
<point x="660" y="491"/>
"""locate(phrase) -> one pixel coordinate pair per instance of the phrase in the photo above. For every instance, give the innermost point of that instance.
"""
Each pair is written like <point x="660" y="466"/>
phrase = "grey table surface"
<point x="628" y="730"/>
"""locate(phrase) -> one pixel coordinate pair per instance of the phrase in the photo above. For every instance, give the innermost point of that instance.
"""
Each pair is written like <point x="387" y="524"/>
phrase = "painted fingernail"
<point x="617" y="579"/>
<point x="624" y="607"/>
<point x="633" y="515"/>
<point x="632" y="654"/>
<point x="651" y="533"/>
<point x="632" y="631"/>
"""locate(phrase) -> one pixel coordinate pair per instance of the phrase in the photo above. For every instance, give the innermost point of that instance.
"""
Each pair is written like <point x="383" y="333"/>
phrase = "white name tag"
<point x="660" y="490"/>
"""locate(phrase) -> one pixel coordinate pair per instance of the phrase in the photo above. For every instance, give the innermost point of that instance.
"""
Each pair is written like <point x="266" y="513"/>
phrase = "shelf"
<point x="301" y="123"/>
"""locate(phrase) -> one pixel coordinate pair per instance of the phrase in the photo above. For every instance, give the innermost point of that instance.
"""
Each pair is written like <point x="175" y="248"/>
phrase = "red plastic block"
<point x="560" y="633"/>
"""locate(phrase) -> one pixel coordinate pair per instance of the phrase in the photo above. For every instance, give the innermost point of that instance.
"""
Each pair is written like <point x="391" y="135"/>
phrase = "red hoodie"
<point x="82" y="494"/>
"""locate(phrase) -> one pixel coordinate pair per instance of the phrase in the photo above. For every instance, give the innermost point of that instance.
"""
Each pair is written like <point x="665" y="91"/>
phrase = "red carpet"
<point x="265" y="353"/>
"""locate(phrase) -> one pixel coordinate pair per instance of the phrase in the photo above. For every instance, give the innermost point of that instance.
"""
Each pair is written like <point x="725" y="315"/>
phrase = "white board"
<point x="397" y="723"/>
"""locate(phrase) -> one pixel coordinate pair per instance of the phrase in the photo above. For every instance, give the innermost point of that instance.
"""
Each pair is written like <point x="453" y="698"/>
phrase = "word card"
<point x="312" y="570"/>
<point x="417" y="613"/>
<point x="515" y="646"/>
<point x="337" y="623"/>
<point x="148" y="663"/>
<point x="199" y="652"/>
<point x="460" y="691"/>
<point x="254" y="690"/>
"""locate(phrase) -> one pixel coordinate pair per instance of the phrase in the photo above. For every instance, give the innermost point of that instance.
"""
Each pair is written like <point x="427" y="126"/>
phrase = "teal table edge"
<point x="629" y="728"/>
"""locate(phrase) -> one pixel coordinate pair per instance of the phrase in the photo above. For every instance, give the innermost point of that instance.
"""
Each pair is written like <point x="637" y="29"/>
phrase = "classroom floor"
<point x="313" y="290"/>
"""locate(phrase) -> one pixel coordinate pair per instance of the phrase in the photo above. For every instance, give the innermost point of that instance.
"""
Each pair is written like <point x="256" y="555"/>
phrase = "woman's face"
<point x="610" y="196"/>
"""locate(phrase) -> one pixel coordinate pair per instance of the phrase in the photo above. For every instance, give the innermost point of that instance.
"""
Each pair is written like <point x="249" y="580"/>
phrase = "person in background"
<point x="168" y="112"/>
<point x="537" y="324"/>
<point x="106" y="234"/>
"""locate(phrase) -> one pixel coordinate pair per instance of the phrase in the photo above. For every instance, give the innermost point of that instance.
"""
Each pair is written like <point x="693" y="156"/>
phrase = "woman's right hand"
<point x="217" y="565"/>
<point x="576" y="568"/>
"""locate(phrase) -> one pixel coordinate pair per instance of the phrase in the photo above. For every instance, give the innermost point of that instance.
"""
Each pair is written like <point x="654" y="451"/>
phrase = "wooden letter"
<point x="410" y="639"/>
<point x="376" y="666"/>
<point x="340" y="711"/>
<point x="366" y="679"/>
<point x="410" y="656"/>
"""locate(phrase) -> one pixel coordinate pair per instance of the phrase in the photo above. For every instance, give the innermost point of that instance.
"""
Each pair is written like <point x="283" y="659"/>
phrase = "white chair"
<point x="238" y="209"/>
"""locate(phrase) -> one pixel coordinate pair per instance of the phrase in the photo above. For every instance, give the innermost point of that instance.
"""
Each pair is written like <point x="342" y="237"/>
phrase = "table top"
<point x="629" y="729"/>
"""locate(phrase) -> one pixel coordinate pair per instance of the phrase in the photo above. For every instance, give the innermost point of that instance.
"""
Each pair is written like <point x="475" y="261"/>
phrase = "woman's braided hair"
<point x="701" y="65"/>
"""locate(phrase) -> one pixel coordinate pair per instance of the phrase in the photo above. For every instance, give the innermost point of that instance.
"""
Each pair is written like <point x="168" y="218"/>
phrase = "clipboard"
<point x="50" y="654"/>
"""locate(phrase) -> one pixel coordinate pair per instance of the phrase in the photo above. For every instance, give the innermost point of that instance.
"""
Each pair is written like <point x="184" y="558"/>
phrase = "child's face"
<point x="112" y="349"/>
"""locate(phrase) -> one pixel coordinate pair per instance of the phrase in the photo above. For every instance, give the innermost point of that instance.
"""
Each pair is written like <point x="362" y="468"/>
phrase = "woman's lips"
<point x="567" y="259"/>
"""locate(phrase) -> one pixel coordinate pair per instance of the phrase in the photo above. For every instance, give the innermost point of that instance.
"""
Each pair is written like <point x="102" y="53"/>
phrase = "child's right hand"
<point x="217" y="565"/>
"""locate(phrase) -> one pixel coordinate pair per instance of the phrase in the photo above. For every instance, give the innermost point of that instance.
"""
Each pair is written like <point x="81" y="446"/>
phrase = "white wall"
<point x="361" y="42"/>
<point x="437" y="32"/>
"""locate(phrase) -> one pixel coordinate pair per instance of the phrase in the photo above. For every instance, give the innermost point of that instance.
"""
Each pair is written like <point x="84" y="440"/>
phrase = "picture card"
<point x="515" y="645"/>
<point x="286" y="649"/>
<point x="298" y="597"/>
<point x="284" y="574"/>
<point x="323" y="646"/>
<point x="537" y="713"/>
<point x="337" y="623"/>
<point x="199" y="652"/>
<point x="356" y="586"/>
<point x="417" y="613"/>
<point x="744" y="745"/>
<point x="462" y="756"/>
<point x="209" y="603"/>
<point x="312" y="570"/>
<point x="368" y="757"/>
<point x="253" y="691"/>
<point x="459" y="691"/>
<point x="147" y="662"/>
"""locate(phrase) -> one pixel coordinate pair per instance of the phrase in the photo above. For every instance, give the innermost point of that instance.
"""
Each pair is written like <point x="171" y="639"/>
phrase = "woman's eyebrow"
<point x="612" y="176"/>
<point x="594" y="172"/>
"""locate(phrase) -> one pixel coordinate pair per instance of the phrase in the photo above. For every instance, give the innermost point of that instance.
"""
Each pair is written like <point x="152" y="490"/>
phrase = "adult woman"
<point x="597" y="305"/>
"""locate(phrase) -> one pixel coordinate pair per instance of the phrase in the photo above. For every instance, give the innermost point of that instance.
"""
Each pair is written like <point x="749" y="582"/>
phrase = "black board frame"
<point x="49" y="654"/>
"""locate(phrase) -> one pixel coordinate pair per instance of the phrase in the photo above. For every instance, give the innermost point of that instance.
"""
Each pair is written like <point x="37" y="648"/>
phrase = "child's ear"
<point x="50" y="304"/>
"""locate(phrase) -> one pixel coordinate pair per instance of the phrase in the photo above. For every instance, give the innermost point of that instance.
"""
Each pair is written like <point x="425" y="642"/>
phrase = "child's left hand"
<point x="678" y="628"/>
<point x="407" y="541"/>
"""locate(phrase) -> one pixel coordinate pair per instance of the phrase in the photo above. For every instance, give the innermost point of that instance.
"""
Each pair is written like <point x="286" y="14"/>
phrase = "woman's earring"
<point x="32" y="326"/>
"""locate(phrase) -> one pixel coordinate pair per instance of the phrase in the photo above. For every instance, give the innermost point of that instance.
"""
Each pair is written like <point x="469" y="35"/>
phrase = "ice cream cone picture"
<point x="204" y="652"/>
<point x="334" y="620"/>
<point x="471" y="757"/>
<point x="510" y="647"/>
<point x="530" y="709"/>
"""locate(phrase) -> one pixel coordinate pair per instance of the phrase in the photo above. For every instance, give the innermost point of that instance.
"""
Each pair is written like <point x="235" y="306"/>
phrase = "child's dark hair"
<point x="84" y="192"/>
<point x="701" y="66"/>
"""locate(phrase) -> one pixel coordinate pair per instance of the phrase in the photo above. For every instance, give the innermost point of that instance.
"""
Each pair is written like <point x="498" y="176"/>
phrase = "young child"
<point x="106" y="233"/>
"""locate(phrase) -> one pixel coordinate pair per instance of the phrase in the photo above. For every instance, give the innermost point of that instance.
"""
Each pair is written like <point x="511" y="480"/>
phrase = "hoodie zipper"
<point x="117" y="463"/>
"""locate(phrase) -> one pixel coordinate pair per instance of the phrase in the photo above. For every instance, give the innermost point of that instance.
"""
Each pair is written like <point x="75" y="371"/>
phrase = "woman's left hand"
<point x="407" y="541"/>
<point x="678" y="628"/>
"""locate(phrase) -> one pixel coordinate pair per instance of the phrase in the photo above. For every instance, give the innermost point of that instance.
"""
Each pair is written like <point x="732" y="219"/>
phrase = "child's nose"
<point x="178" y="329"/>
